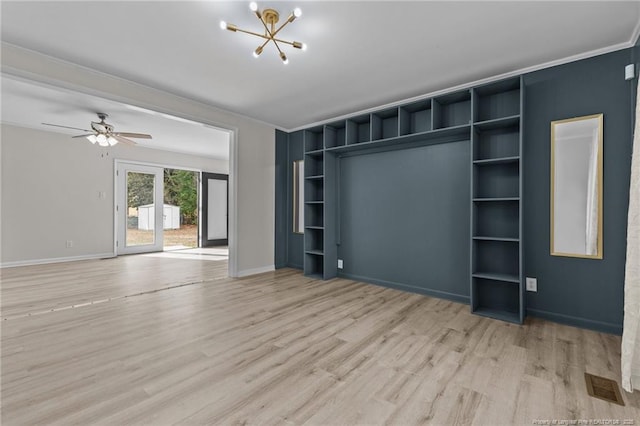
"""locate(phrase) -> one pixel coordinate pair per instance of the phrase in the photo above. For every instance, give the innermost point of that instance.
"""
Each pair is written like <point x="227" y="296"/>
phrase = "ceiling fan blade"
<point x="66" y="127"/>
<point x="123" y="140"/>
<point x="82" y="136"/>
<point x="133" y="135"/>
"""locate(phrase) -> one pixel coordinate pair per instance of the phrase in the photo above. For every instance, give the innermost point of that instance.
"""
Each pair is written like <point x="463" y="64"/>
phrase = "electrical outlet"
<point x="532" y="284"/>
<point x="340" y="264"/>
<point x="69" y="244"/>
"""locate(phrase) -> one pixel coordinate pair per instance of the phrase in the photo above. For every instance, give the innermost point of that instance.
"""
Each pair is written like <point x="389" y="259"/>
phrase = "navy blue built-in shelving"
<point x="490" y="118"/>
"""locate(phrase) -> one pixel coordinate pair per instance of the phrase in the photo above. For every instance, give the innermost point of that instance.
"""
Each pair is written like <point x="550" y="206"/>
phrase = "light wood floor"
<point x="278" y="348"/>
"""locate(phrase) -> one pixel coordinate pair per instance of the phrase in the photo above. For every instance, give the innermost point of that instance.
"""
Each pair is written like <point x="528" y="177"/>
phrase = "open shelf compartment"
<point x="313" y="166"/>
<point x="314" y="265"/>
<point x="497" y="220"/>
<point x="497" y="100"/>
<point x="497" y="143"/>
<point x="314" y="216"/>
<point x="359" y="129"/>
<point x="313" y="139"/>
<point x="415" y="118"/>
<point x="314" y="241"/>
<point x="384" y="124"/>
<point x="451" y="110"/>
<point x="314" y="190"/>
<point x="498" y="260"/>
<point x="500" y="180"/>
<point x="496" y="299"/>
<point x="335" y="134"/>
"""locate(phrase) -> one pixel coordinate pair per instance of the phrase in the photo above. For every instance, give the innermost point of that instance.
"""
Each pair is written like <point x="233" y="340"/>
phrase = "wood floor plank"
<point x="155" y="340"/>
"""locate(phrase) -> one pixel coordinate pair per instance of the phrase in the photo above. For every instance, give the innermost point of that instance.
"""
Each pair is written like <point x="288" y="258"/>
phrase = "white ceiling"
<point x="29" y="105"/>
<point x="360" y="54"/>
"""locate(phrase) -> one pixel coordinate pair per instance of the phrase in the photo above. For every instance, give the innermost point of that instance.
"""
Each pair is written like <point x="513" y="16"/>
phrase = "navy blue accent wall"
<point x="404" y="219"/>
<point x="289" y="246"/>
<point x="583" y="292"/>
<point x="406" y="187"/>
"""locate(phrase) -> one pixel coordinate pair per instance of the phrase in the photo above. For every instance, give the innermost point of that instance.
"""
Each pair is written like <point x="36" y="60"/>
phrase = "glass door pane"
<point x="140" y="209"/>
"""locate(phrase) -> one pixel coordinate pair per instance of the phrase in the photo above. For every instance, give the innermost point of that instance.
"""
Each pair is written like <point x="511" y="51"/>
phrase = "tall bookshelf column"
<point x="314" y="230"/>
<point x="496" y="224"/>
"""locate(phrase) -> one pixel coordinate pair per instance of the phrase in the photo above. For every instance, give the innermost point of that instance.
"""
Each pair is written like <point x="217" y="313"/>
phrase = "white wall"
<point x="50" y="187"/>
<point x="253" y="160"/>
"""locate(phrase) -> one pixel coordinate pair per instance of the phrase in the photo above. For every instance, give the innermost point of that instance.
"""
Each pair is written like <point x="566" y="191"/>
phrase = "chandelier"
<point x="269" y="18"/>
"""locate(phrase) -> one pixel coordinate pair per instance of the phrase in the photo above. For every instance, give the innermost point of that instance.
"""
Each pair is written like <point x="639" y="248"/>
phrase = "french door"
<point x="139" y="208"/>
<point x="215" y="210"/>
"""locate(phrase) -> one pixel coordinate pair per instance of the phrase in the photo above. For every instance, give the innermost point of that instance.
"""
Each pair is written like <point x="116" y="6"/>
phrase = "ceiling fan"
<point x="102" y="133"/>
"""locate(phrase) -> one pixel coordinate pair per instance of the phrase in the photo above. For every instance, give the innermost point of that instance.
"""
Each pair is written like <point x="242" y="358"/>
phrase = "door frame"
<point x="204" y="205"/>
<point x="232" y="269"/>
<point x="121" y="208"/>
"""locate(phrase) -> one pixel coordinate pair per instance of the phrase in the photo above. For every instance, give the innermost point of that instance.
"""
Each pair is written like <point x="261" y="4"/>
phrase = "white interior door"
<point x="139" y="208"/>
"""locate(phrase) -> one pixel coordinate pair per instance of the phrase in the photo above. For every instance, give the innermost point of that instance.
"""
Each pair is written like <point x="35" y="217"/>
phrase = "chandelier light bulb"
<point x="92" y="139"/>
<point x="268" y="19"/>
<point x="112" y="141"/>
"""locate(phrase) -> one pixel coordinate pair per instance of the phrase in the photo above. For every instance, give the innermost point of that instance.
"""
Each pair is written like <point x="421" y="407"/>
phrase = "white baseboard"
<point x="55" y="260"/>
<point x="254" y="271"/>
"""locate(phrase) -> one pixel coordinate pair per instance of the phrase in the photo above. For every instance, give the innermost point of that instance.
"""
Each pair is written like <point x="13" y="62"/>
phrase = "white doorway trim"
<point x="233" y="196"/>
<point x="103" y="87"/>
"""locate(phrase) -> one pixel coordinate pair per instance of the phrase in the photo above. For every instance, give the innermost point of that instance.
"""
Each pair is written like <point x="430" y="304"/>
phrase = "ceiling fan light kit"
<point x="103" y="133"/>
<point x="269" y="18"/>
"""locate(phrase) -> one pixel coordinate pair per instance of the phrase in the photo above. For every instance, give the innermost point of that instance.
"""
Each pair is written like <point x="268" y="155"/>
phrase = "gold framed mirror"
<point x="298" y="197"/>
<point x="576" y="187"/>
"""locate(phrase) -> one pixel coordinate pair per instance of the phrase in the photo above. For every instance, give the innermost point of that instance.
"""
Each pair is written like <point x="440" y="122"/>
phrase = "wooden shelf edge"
<point x="499" y="160"/>
<point x="499" y="314"/>
<point x="487" y="238"/>
<point x="497" y="123"/>
<point x="507" y="278"/>
<point x="497" y="199"/>
<point x="314" y="252"/>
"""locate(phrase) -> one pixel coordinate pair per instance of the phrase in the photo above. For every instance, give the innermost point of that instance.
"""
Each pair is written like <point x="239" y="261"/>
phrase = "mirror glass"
<point x="576" y="187"/>
<point x="298" y="197"/>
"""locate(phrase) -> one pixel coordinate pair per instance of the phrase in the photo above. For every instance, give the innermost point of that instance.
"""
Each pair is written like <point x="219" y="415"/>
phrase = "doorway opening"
<point x="171" y="209"/>
<point x="180" y="209"/>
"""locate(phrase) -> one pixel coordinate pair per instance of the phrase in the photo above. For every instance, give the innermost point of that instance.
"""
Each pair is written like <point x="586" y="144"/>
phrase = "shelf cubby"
<point x="359" y="129"/>
<point x="313" y="139"/>
<point x="314" y="216"/>
<point x="384" y="124"/>
<point x="500" y="180"/>
<point x="313" y="190"/>
<point x="335" y="134"/>
<point x="497" y="143"/>
<point x="497" y="100"/>
<point x="496" y="299"/>
<point x="314" y="265"/>
<point x="313" y="165"/>
<point x="451" y="110"/>
<point x="497" y="219"/>
<point x="415" y="118"/>
<point x="499" y="260"/>
<point x="314" y="241"/>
